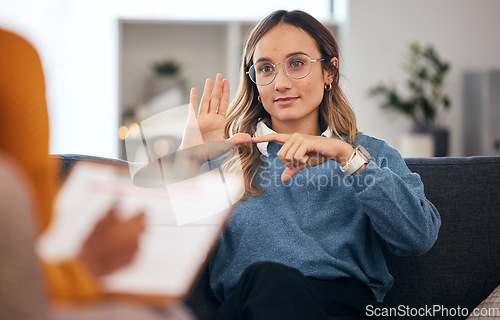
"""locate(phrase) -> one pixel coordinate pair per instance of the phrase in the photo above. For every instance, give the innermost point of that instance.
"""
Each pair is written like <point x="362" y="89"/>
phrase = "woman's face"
<point x="292" y="103"/>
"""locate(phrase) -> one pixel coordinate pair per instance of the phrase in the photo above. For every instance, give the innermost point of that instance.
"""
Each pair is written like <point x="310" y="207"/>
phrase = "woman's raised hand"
<point x="208" y="123"/>
<point x="301" y="150"/>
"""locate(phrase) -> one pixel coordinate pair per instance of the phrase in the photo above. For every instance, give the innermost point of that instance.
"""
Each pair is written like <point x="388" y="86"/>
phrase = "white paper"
<point x="183" y="222"/>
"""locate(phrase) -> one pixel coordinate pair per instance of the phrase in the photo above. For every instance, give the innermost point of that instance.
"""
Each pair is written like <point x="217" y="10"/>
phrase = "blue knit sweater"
<point x="328" y="225"/>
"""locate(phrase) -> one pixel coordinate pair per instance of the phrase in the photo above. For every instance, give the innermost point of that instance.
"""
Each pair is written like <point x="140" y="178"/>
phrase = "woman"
<point x="24" y="137"/>
<point x="322" y="198"/>
<point x="25" y="165"/>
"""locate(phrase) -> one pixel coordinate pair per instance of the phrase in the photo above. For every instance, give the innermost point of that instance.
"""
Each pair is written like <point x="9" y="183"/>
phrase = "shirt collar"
<point x="262" y="129"/>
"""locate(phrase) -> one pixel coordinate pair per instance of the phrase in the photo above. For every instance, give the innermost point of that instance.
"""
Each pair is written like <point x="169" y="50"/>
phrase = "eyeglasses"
<point x="297" y="66"/>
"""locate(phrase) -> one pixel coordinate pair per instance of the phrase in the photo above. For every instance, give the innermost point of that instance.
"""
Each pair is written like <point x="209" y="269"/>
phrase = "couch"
<point x="462" y="268"/>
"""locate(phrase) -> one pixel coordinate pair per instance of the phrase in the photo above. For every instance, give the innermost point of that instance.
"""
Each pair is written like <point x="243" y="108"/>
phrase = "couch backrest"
<point x="463" y="267"/>
<point x="68" y="160"/>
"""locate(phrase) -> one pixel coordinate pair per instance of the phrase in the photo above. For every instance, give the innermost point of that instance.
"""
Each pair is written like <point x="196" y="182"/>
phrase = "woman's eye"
<point x="266" y="69"/>
<point x="295" y="64"/>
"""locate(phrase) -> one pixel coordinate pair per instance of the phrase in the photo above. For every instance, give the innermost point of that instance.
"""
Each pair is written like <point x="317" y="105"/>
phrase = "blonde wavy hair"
<point x="246" y="111"/>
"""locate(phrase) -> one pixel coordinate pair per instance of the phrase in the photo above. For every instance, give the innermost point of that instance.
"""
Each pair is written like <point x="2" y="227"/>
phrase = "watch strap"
<point x="354" y="163"/>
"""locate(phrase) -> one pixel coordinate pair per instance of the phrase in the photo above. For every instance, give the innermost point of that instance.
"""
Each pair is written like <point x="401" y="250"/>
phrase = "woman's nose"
<point x="282" y="80"/>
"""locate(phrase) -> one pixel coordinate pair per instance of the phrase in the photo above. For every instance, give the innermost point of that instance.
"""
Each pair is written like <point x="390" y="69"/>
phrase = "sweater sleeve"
<point x="24" y="135"/>
<point x="24" y="121"/>
<point x="393" y="198"/>
<point x="69" y="281"/>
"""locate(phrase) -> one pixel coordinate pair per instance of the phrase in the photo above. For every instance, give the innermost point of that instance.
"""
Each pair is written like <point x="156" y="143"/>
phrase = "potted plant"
<point x="167" y="67"/>
<point x="425" y="100"/>
<point x="165" y="77"/>
<point x="165" y="89"/>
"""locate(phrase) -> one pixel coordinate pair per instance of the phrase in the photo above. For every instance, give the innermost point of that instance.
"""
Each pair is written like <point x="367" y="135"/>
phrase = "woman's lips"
<point x="285" y="101"/>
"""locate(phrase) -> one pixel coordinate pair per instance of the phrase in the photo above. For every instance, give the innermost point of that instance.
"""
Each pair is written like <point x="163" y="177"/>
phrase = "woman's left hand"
<point x="300" y="151"/>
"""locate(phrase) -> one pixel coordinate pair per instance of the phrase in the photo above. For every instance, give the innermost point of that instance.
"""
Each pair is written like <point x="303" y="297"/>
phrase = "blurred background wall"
<point x="80" y="43"/>
<point x="377" y="35"/>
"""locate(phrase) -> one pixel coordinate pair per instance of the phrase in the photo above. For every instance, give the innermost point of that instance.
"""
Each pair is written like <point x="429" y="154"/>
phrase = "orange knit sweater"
<point x="24" y="135"/>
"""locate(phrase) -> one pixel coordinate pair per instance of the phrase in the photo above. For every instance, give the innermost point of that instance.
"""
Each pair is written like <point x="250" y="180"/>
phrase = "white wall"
<point x="78" y="43"/>
<point x="143" y="43"/>
<point x="375" y="43"/>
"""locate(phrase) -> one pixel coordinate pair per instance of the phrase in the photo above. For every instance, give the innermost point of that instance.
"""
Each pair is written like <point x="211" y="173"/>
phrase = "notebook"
<point x="184" y="220"/>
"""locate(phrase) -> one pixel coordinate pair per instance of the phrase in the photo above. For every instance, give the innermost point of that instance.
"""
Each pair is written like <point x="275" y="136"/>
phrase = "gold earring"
<point x="260" y="100"/>
<point x="328" y="87"/>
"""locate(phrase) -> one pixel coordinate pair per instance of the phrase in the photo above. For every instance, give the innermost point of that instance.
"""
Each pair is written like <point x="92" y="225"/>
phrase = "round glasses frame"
<point x="252" y="74"/>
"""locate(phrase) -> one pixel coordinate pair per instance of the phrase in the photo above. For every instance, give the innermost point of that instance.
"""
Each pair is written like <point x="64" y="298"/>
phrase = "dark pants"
<point x="269" y="290"/>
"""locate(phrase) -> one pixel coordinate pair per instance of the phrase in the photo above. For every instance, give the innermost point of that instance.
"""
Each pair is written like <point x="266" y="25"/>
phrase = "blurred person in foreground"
<point x="24" y="150"/>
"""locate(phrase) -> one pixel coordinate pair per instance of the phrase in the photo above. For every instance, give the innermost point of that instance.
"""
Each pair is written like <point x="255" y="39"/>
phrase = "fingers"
<point x="224" y="103"/>
<point x="216" y="94"/>
<point x="136" y="223"/>
<point x="240" y="138"/>
<point x="293" y="153"/>
<point x="216" y="101"/>
<point x="289" y="172"/>
<point x="298" y="151"/>
<point x="300" y="154"/>
<point x="299" y="146"/>
<point x="205" y="99"/>
<point x="287" y="153"/>
<point x="276" y="137"/>
<point x="193" y="103"/>
<point x="112" y="243"/>
<point x="215" y="149"/>
<point x="108" y="219"/>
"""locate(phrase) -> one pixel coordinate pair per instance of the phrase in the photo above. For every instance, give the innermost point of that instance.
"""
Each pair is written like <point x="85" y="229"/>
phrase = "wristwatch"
<point x="359" y="157"/>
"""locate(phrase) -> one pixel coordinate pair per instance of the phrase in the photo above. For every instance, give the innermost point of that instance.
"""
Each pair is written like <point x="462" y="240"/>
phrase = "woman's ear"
<point x="335" y="62"/>
<point x="331" y="74"/>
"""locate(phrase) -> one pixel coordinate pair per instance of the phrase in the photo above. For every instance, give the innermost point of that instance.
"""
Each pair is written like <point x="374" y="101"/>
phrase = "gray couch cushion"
<point x="463" y="267"/>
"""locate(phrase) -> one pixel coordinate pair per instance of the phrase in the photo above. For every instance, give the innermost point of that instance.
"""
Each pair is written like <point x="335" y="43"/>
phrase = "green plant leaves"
<point x="167" y="67"/>
<point x="426" y="78"/>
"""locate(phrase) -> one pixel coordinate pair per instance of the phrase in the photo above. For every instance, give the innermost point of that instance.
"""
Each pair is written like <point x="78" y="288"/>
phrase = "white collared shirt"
<point x="262" y="129"/>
